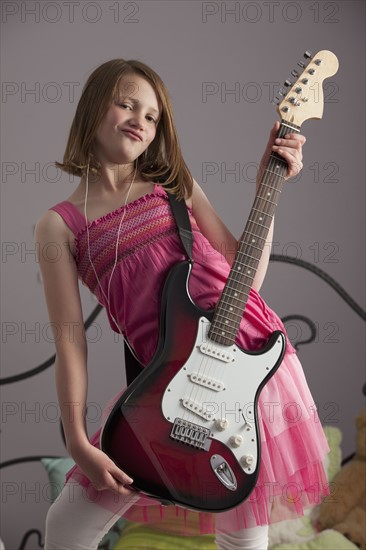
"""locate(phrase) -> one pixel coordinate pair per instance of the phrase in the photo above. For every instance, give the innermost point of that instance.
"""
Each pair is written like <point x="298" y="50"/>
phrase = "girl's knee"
<point x="255" y="538"/>
<point x="55" y="529"/>
<point x="65" y="528"/>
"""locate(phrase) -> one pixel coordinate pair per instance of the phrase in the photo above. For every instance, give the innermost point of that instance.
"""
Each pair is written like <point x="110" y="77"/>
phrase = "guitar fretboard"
<point x="230" y="308"/>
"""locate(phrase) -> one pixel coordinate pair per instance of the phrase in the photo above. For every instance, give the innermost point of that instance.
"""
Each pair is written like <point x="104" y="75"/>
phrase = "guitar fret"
<point x="267" y="200"/>
<point x="276" y="163"/>
<point x="262" y="212"/>
<point x="233" y="305"/>
<point x="240" y="272"/>
<point x="253" y="246"/>
<point x="242" y="257"/>
<point x="230" y="313"/>
<point x="222" y="333"/>
<point x="271" y="187"/>
<point x="236" y="300"/>
<point x="257" y="223"/>
<point x="238" y="282"/>
<point x="248" y="270"/>
<point x="292" y="127"/>
<point x="247" y="274"/>
<point x="255" y="235"/>
<point x="275" y="173"/>
<point x="226" y="330"/>
<point x="250" y="245"/>
<point x="236" y="289"/>
<point x="246" y="265"/>
<point x="278" y="159"/>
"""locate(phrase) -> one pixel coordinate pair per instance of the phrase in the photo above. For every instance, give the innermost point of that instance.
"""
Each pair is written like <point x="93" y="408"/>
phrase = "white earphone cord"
<point x="116" y="254"/>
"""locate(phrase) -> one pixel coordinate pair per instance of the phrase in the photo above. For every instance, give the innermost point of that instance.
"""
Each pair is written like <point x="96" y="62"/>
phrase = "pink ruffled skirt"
<point x="291" y="477"/>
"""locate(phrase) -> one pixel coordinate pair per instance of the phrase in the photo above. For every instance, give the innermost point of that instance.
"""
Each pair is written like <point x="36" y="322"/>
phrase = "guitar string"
<point x="273" y="160"/>
<point x="269" y="171"/>
<point x="272" y="180"/>
<point x="200" y="394"/>
<point x="197" y="393"/>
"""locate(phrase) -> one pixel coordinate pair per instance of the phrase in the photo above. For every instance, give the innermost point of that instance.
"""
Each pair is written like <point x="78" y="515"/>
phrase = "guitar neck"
<point x="229" y="309"/>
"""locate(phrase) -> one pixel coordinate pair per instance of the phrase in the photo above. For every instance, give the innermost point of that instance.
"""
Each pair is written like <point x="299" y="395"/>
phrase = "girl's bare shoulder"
<point x="52" y="228"/>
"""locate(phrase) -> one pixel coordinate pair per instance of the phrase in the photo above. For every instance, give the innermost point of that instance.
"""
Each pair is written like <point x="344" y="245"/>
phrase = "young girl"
<point x="120" y="239"/>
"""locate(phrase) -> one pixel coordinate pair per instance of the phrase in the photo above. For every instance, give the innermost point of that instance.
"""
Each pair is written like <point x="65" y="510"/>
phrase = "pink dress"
<point x="293" y="444"/>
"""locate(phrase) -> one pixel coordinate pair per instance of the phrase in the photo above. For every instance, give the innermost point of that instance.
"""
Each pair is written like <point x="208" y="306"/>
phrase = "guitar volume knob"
<point x="236" y="440"/>
<point x="247" y="461"/>
<point x="221" y="424"/>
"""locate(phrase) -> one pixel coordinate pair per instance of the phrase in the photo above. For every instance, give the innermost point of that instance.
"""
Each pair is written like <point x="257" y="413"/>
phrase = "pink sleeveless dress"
<point x="293" y="444"/>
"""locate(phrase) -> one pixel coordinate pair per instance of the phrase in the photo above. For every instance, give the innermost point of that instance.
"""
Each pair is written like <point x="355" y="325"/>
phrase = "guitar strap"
<point x="181" y="216"/>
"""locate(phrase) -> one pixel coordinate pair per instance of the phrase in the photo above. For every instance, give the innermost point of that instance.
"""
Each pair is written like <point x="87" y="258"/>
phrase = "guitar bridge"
<point x="191" y="434"/>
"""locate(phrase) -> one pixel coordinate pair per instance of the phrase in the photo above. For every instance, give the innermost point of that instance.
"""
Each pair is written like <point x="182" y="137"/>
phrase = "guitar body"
<point x="186" y="429"/>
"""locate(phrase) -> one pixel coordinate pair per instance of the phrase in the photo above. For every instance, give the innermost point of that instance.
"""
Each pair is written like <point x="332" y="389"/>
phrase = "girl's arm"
<point x="60" y="282"/>
<point x="290" y="148"/>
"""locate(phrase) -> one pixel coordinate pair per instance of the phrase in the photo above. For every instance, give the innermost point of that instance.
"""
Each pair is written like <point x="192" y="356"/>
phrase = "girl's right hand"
<point x="103" y="473"/>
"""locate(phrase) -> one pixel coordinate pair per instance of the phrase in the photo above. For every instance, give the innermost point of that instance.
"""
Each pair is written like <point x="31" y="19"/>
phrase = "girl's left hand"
<point x="289" y="147"/>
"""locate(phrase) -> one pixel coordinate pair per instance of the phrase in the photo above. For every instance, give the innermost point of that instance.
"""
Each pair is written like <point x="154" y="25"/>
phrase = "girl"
<point x="121" y="242"/>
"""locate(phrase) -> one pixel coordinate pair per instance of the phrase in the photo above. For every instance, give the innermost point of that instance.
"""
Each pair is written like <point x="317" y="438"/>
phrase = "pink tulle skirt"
<point x="291" y="477"/>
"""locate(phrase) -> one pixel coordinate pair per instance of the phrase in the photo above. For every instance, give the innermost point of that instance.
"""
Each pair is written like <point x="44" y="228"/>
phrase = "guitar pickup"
<point x="217" y="352"/>
<point x="206" y="381"/>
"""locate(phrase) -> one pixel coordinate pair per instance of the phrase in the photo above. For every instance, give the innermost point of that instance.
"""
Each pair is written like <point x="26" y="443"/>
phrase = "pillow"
<point x="334" y="458"/>
<point x="143" y="537"/>
<point x="57" y="469"/>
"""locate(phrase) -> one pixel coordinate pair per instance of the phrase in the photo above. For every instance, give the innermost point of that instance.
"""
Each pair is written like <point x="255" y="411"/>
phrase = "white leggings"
<point x="75" y="522"/>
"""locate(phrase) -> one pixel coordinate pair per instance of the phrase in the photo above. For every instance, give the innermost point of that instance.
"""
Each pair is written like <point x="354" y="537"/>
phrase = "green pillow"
<point x="142" y="537"/>
<point x="57" y="469"/>
<point x="334" y="458"/>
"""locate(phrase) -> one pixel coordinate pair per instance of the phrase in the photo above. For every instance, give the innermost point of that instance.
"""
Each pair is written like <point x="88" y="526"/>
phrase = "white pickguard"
<point x="216" y="389"/>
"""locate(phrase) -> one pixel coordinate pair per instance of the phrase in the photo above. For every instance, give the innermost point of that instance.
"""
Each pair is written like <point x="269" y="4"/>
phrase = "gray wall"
<point x="50" y="48"/>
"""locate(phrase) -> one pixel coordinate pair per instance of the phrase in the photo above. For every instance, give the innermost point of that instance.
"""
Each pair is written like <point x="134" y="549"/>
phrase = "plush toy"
<point x="345" y="509"/>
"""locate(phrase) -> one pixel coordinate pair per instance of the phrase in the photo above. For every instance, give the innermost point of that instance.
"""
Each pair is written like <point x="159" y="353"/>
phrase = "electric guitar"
<point x="186" y="429"/>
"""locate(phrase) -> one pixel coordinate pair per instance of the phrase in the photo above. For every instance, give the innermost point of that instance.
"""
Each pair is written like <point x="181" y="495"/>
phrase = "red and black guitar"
<point x="186" y="429"/>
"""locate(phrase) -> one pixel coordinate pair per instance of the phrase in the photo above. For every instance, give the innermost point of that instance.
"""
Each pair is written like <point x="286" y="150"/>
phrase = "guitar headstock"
<point x="305" y="98"/>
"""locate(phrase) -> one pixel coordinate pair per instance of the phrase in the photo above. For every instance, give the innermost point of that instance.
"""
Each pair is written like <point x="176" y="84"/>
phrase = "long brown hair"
<point x="162" y="161"/>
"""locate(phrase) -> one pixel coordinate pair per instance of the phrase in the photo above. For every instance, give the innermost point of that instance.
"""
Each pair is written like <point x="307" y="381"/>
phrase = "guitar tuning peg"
<point x="308" y="55"/>
<point x="287" y="83"/>
<point x="301" y="64"/>
<point x="294" y="73"/>
<point x="276" y="100"/>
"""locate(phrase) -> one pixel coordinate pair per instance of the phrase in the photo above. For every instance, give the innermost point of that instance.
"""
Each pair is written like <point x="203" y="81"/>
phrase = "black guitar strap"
<point x="180" y="213"/>
<point x="182" y="220"/>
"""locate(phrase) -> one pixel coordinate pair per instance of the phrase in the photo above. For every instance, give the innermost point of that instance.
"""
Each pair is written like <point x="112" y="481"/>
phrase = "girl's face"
<point x="130" y="123"/>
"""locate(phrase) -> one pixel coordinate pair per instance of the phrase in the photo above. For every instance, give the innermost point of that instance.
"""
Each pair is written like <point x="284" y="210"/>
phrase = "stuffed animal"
<point x="345" y="509"/>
